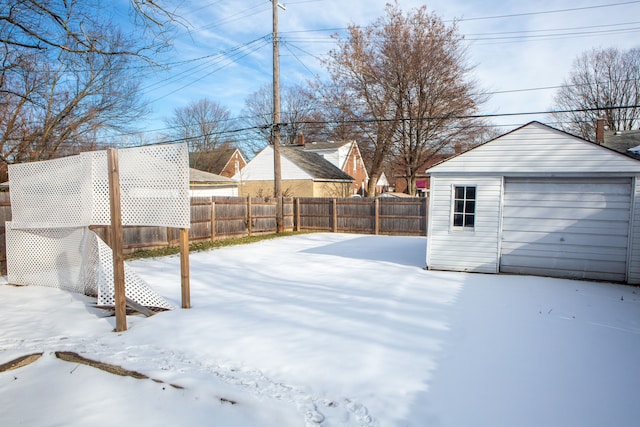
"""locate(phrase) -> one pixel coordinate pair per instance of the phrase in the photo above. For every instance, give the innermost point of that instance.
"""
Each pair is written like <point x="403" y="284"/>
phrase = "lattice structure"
<point x="53" y="257"/>
<point x="51" y="194"/>
<point x="74" y="191"/>
<point x="53" y="202"/>
<point x="73" y="259"/>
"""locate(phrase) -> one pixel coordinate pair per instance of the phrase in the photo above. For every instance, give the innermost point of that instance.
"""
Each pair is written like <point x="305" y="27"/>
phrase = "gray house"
<point x="537" y="201"/>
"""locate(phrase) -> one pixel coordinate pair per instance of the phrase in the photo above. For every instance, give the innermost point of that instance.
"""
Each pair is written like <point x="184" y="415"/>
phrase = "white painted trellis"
<point x="54" y="202"/>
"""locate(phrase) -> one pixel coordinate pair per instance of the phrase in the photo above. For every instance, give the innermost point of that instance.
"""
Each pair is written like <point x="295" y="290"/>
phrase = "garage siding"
<point x="464" y="250"/>
<point x="634" y="256"/>
<point x="574" y="228"/>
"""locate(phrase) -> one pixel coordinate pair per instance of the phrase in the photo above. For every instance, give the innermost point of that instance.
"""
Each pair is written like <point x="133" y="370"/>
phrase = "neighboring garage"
<point x="537" y="201"/>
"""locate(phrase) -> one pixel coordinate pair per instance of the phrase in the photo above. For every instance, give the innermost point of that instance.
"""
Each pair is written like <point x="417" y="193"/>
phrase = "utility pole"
<point x="275" y="126"/>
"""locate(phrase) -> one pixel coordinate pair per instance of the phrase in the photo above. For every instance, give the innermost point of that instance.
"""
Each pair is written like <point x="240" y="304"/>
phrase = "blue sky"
<point x="516" y="47"/>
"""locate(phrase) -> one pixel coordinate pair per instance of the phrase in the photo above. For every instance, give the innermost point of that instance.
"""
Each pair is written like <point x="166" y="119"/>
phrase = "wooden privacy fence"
<point x="221" y="217"/>
<point x="385" y="215"/>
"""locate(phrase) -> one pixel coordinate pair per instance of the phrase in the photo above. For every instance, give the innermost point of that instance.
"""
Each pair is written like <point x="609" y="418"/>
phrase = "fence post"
<point x="249" y="220"/>
<point x="334" y="207"/>
<point x="376" y="206"/>
<point x="184" y="268"/>
<point x="213" y="220"/>
<point x="116" y="240"/>
<point x="297" y="213"/>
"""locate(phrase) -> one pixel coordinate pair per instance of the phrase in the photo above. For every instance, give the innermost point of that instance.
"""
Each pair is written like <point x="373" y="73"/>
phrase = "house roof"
<point x="214" y="161"/>
<point x="623" y="142"/>
<point x="314" y="164"/>
<point x="538" y="149"/>
<point x="201" y="177"/>
<point x="327" y="145"/>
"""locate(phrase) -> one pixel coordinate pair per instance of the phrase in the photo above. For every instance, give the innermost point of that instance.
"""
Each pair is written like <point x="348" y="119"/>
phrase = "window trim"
<point x="465" y="205"/>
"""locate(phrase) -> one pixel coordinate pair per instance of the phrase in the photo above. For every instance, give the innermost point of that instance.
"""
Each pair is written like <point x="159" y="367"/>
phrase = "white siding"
<point x="464" y="250"/>
<point x="332" y="156"/>
<point x="633" y="276"/>
<point x="538" y="149"/>
<point x="343" y="152"/>
<point x="575" y="228"/>
<point x="260" y="168"/>
<point x="336" y="156"/>
<point x="208" y="192"/>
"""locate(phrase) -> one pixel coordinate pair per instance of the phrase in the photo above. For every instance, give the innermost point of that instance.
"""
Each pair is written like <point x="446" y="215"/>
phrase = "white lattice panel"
<point x="51" y="257"/>
<point x="52" y="193"/>
<point x="74" y="259"/>
<point x="74" y="191"/>
<point x="154" y="183"/>
<point x="136" y="289"/>
<point x="53" y="202"/>
<point x="100" y="204"/>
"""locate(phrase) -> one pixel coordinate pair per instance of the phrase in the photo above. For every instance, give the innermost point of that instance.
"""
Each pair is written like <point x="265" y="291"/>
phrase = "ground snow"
<point x="331" y="330"/>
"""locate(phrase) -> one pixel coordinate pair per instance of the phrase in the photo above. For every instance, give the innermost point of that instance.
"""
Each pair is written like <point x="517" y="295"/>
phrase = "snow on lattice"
<point x="54" y="201"/>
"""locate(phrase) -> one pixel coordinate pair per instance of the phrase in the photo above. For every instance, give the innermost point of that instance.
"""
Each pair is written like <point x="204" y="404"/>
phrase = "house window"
<point x="464" y="206"/>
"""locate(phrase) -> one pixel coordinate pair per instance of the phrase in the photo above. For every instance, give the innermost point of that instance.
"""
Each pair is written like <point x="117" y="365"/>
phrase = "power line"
<point x="573" y="9"/>
<point x="221" y="56"/>
<point x="392" y="120"/>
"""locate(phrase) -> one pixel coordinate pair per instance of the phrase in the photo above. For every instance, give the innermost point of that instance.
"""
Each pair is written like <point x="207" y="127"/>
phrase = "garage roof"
<point x="536" y="148"/>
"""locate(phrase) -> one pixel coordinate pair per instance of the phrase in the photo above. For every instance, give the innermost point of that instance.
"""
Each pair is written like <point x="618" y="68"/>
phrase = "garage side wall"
<point x="476" y="249"/>
<point x="634" y="250"/>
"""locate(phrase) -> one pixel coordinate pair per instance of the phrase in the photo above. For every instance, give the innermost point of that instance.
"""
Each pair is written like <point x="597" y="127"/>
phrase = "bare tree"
<point x="67" y="73"/>
<point x="58" y="107"/>
<point x="76" y="26"/>
<point x="601" y="81"/>
<point x="205" y="125"/>
<point x="299" y="115"/>
<point x="404" y="81"/>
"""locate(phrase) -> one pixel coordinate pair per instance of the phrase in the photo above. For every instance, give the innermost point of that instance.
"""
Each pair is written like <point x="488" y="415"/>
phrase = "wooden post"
<point x="334" y="208"/>
<point x="107" y="235"/>
<point x="297" y="217"/>
<point x="213" y="220"/>
<point x="275" y="126"/>
<point x="184" y="268"/>
<point x="116" y="241"/>
<point x="376" y="205"/>
<point x="249" y="219"/>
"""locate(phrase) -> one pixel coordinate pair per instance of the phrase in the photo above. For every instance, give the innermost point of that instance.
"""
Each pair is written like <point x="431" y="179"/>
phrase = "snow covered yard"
<point x="331" y="330"/>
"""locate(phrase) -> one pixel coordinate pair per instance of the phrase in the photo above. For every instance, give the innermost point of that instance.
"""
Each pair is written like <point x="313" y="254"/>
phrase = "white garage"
<point x="537" y="201"/>
<point x="566" y="228"/>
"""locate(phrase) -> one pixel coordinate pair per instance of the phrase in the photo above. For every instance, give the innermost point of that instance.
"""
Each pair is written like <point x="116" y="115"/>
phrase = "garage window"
<point x="464" y="206"/>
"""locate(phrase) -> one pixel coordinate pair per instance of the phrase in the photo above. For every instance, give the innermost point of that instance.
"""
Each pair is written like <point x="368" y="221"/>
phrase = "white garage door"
<point x="566" y="228"/>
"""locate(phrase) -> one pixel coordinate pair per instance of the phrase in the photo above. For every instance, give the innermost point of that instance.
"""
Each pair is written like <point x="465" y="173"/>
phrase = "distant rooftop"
<point x="623" y="141"/>
<point x="314" y="164"/>
<point x="325" y="145"/>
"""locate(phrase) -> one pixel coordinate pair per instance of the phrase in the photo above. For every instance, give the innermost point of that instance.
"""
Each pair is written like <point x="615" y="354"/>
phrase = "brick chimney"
<point x="600" y="130"/>
<point x="300" y="139"/>
<point x="457" y="148"/>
